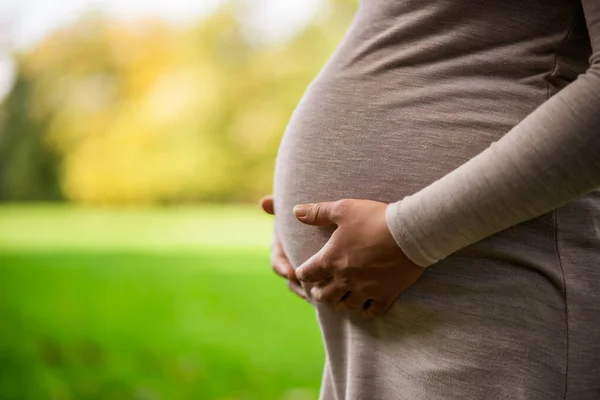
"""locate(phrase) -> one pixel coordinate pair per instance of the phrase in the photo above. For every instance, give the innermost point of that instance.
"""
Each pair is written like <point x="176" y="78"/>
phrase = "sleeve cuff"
<point x="399" y="224"/>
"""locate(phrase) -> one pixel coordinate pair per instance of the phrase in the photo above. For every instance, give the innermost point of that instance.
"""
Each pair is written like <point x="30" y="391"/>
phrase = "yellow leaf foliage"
<point x="149" y="113"/>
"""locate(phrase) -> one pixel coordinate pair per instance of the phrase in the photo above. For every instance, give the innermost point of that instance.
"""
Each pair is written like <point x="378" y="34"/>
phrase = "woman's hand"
<point x="361" y="267"/>
<point x="279" y="261"/>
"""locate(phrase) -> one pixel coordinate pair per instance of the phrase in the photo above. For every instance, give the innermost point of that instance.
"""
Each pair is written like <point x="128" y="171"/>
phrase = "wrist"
<point x="404" y="240"/>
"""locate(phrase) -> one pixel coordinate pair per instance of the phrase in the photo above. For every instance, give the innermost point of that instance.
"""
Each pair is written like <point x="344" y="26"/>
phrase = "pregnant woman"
<point x="436" y="192"/>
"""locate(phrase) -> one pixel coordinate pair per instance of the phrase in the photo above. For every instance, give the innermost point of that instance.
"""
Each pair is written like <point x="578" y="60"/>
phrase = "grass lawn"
<point x="149" y="304"/>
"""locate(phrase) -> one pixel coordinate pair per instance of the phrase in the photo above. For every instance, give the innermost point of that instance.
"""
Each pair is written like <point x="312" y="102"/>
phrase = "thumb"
<point x="319" y="214"/>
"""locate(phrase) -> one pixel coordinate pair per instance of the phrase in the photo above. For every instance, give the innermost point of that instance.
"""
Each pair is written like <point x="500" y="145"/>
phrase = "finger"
<point x="282" y="267"/>
<point x="353" y="301"/>
<point x="314" y="270"/>
<point x="318" y="214"/>
<point x="267" y="204"/>
<point x="299" y="290"/>
<point x="378" y="307"/>
<point x="280" y="263"/>
<point x="294" y="278"/>
<point x="329" y="293"/>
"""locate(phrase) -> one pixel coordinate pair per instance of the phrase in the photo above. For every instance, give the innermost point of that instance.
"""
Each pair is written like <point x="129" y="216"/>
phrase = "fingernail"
<point x="298" y="274"/>
<point x="301" y="210"/>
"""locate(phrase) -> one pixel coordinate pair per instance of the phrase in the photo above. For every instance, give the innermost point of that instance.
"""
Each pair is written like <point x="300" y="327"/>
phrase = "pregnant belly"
<point x="361" y="140"/>
<point x="379" y="141"/>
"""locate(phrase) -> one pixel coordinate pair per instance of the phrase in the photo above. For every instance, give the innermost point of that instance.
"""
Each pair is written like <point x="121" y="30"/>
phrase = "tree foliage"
<point x="109" y="113"/>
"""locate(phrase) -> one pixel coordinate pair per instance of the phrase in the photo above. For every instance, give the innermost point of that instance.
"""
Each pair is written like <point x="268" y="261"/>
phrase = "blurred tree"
<point x="149" y="113"/>
<point x="28" y="166"/>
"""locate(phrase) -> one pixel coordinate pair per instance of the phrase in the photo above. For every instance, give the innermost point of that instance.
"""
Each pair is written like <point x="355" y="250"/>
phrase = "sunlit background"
<point x="136" y="138"/>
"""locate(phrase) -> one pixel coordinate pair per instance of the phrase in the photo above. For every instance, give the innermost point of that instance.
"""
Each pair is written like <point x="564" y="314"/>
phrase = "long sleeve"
<point x="547" y="160"/>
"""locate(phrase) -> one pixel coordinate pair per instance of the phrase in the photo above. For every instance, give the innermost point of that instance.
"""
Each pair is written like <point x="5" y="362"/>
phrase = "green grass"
<point x="149" y="304"/>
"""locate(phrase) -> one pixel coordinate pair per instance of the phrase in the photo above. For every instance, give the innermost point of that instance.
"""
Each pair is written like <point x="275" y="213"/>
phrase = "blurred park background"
<point x="135" y="141"/>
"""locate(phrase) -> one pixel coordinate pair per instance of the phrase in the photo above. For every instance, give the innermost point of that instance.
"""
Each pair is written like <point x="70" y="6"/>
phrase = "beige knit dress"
<point x="479" y="120"/>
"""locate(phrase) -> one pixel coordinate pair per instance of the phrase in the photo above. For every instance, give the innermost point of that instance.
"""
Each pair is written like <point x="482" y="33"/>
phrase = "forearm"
<point x="551" y="158"/>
